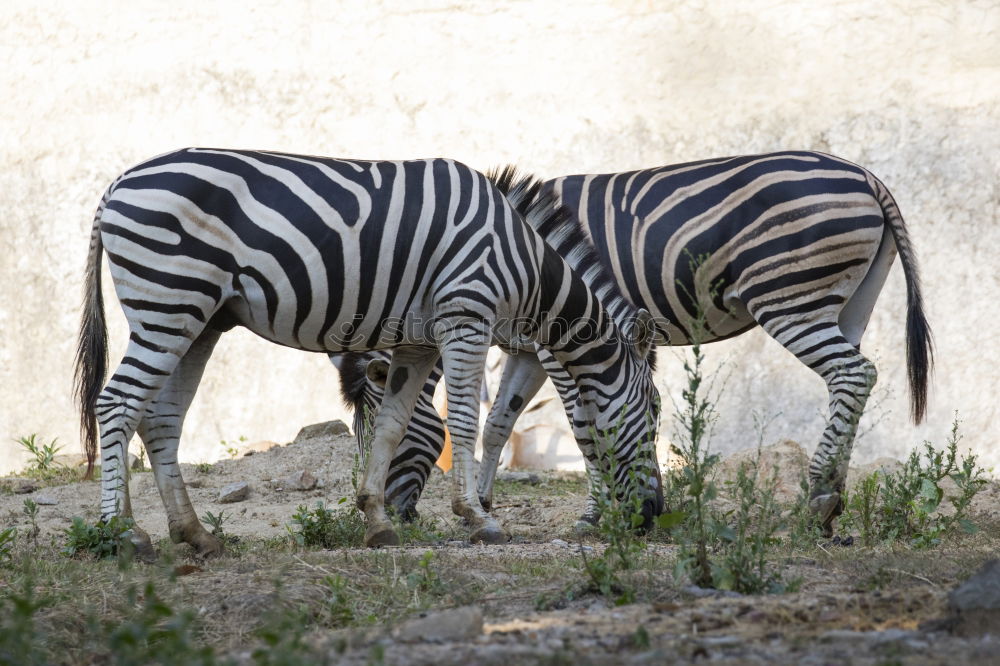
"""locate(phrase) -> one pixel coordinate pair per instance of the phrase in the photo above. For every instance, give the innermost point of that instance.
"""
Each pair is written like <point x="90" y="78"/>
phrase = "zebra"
<point x="797" y="242"/>
<point x="201" y="240"/>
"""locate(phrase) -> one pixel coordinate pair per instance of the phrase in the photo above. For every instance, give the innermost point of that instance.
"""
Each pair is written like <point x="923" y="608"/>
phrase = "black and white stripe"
<point x="425" y="257"/>
<point x="799" y="243"/>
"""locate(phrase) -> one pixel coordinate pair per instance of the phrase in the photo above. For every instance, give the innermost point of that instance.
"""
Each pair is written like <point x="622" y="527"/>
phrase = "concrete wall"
<point x="910" y="90"/>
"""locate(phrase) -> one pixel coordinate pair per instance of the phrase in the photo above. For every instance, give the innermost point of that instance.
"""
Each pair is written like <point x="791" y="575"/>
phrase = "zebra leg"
<point x="566" y="388"/>
<point x="592" y="511"/>
<point x="416" y="453"/>
<point x="849" y="378"/>
<point x="463" y="354"/>
<point x="849" y="383"/>
<point x="407" y="373"/>
<point x="146" y="367"/>
<point x="523" y="376"/>
<point x="160" y="431"/>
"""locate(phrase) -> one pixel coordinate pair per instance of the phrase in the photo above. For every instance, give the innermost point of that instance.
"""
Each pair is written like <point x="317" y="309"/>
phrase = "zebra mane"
<point x="558" y="227"/>
<point x="353" y="378"/>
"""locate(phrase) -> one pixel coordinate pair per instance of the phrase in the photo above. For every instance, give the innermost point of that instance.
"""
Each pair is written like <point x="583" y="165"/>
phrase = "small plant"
<point x="340" y="606"/>
<point x="204" y="468"/>
<point x="232" y="448"/>
<point x="640" y="639"/>
<point x="44" y="454"/>
<point x="155" y="634"/>
<point x="905" y="505"/>
<point x="8" y="537"/>
<point x="746" y="542"/>
<point x="423" y="530"/>
<point x="283" y="634"/>
<point x="861" y="508"/>
<point x="693" y="480"/>
<point x="20" y="640"/>
<point x="342" y="527"/>
<point x="621" y="514"/>
<point x="30" y="510"/>
<point x="804" y="531"/>
<point x="215" y="521"/>
<point x="102" y="540"/>
<point x="424" y="579"/>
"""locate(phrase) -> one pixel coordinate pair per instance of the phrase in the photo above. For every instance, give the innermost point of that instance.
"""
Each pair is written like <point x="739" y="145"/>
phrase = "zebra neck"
<point x="578" y="331"/>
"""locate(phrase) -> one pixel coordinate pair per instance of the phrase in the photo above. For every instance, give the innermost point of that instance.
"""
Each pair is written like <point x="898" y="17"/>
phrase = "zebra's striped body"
<point x="426" y="257"/>
<point x="798" y="243"/>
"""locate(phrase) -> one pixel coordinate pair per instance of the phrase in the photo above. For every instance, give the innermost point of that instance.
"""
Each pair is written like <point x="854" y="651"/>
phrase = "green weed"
<point x="20" y="640"/>
<point x="43" y="454"/>
<point x="320" y="527"/>
<point x="8" y="539"/>
<point x="101" y="540"/>
<point x="215" y="521"/>
<point x="905" y="505"/>
<point x="154" y="633"/>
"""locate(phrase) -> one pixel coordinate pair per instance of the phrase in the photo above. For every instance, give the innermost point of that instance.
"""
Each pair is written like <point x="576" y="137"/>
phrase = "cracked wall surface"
<point x="910" y="91"/>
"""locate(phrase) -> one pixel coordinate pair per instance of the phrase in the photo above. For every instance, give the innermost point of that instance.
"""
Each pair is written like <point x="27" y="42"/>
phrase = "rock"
<point x="455" y="624"/>
<point x="45" y="500"/>
<point x="301" y="480"/>
<point x="234" y="492"/>
<point x="70" y="459"/>
<point x="975" y="604"/>
<point x="701" y="592"/>
<point x="195" y="483"/>
<point x="529" y="478"/>
<point x="560" y="543"/>
<point x="258" y="447"/>
<point x="787" y="459"/>
<point x="324" y="430"/>
<point x="25" y="486"/>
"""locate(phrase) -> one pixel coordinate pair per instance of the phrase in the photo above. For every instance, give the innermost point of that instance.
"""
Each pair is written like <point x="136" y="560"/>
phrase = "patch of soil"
<point x="853" y="605"/>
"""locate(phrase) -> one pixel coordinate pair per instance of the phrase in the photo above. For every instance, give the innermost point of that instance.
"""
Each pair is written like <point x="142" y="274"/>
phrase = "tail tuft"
<point x="919" y="342"/>
<point x="92" y="346"/>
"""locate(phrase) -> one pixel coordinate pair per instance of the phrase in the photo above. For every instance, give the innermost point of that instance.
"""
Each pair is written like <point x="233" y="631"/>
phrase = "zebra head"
<point x="624" y="416"/>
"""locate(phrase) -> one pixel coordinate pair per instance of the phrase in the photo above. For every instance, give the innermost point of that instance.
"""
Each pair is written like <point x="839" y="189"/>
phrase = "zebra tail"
<point x="919" y="343"/>
<point x="92" y="347"/>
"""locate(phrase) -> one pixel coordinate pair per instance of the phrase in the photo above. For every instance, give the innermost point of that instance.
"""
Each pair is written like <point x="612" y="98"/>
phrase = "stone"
<point x="975" y="604"/>
<point x="25" y="486"/>
<point x="301" y="480"/>
<point x="258" y="447"/>
<point x="70" y="460"/>
<point x="560" y="543"/>
<point x="234" y="492"/>
<point x="455" y="624"/>
<point x="45" y="500"/>
<point x="324" y="430"/>
<point x="529" y="478"/>
<point x="702" y="592"/>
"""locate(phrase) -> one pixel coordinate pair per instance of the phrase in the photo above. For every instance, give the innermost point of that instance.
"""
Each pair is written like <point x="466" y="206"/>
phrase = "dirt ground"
<point x="852" y="606"/>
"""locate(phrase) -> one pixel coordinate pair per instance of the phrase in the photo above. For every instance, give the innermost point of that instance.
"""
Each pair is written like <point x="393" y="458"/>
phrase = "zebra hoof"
<point x="586" y="524"/>
<point x="207" y="546"/>
<point x="489" y="535"/>
<point x="383" y="537"/>
<point x="825" y="508"/>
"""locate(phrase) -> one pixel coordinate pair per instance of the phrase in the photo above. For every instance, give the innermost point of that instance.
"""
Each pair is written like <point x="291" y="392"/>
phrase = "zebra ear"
<point x="377" y="371"/>
<point x="642" y="332"/>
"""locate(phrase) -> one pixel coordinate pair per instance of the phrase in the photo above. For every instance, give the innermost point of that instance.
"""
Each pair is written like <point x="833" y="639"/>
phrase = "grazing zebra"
<point x="799" y="243"/>
<point x="202" y="240"/>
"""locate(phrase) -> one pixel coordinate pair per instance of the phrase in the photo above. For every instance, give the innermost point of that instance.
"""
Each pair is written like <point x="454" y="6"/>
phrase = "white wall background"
<point x="909" y="89"/>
